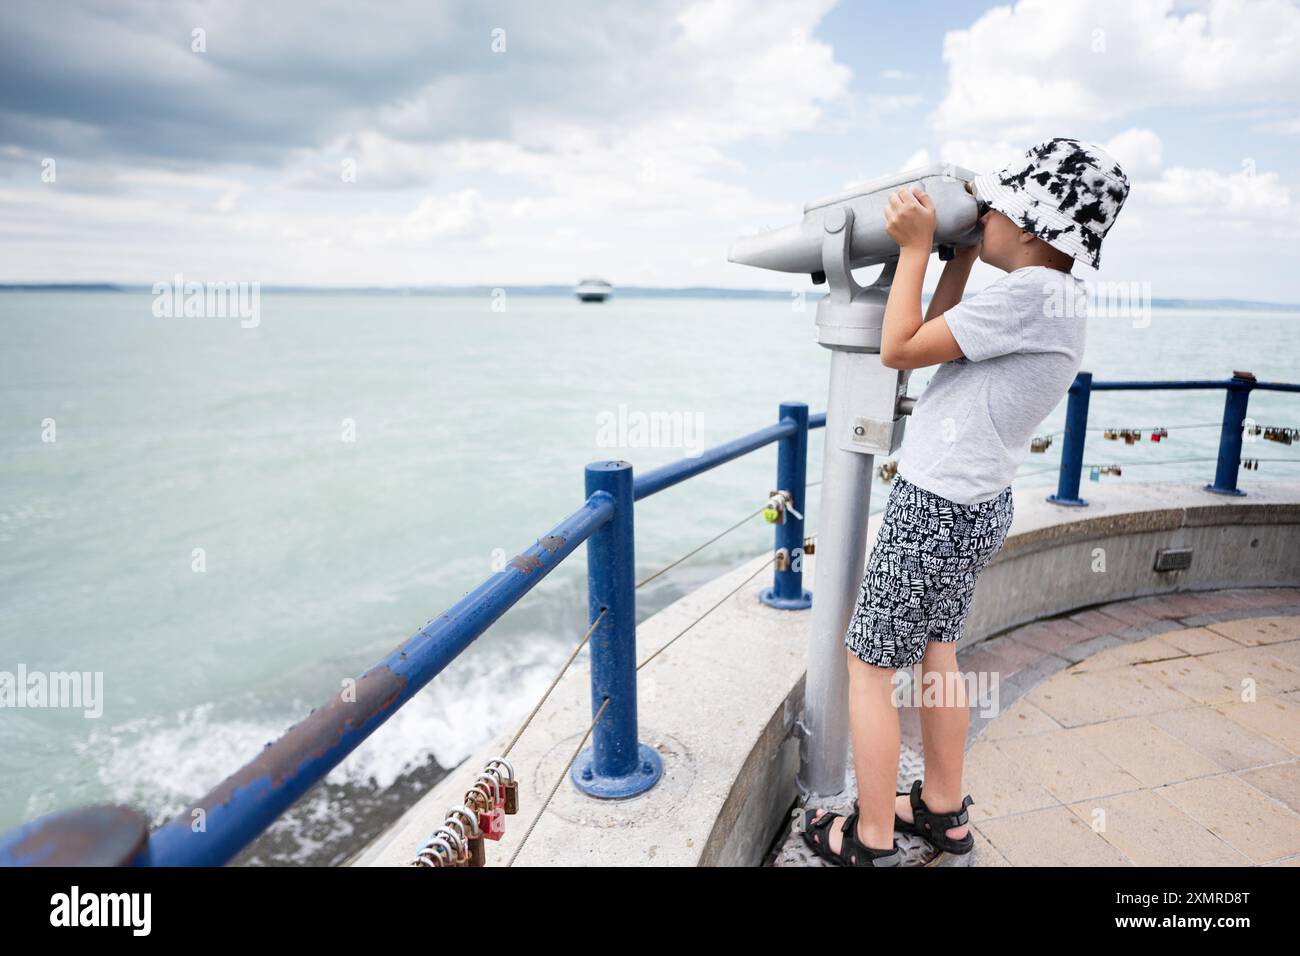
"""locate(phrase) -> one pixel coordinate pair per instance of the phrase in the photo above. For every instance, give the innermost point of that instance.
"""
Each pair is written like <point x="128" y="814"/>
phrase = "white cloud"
<point x="920" y="158"/>
<point x="1138" y="151"/>
<point x="599" y="140"/>
<point x="1243" y="196"/>
<point x="978" y="155"/>
<point x="1053" y="63"/>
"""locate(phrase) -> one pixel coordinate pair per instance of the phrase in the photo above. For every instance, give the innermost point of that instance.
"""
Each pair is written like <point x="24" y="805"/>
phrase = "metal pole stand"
<point x="787" y="592"/>
<point x="616" y="764"/>
<point x="863" y="419"/>
<point x="1230" y="436"/>
<point x="1076" y="433"/>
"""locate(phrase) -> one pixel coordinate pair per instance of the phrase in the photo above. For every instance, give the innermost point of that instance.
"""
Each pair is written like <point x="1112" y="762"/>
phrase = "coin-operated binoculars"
<point x="864" y="415"/>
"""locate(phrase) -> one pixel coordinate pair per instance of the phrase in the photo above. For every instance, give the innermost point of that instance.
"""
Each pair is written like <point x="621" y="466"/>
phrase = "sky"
<point x="505" y="143"/>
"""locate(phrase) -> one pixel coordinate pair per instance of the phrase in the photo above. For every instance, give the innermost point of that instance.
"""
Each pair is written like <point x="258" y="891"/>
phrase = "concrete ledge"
<point x="1052" y="561"/>
<point x="720" y="703"/>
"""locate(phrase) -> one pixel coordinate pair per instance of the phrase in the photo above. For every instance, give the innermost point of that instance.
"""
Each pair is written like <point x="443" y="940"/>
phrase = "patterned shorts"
<point x="921" y="575"/>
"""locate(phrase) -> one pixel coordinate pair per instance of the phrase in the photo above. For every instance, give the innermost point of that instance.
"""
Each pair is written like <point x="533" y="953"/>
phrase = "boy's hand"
<point x="909" y="218"/>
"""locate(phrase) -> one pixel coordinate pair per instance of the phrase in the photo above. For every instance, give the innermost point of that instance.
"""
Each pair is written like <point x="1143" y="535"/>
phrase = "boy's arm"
<point x="952" y="284"/>
<point x="906" y="341"/>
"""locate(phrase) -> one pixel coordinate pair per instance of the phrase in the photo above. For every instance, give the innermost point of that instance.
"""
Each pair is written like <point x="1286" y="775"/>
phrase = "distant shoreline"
<point x="627" y="292"/>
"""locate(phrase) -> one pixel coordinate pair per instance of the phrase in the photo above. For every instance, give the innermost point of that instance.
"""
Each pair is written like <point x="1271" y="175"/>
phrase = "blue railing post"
<point x="787" y="590"/>
<point x="1234" y="416"/>
<point x="1076" y="432"/>
<point x="616" y="764"/>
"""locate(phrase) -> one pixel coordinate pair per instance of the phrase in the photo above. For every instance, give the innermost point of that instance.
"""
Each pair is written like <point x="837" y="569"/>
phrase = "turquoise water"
<point x="471" y="429"/>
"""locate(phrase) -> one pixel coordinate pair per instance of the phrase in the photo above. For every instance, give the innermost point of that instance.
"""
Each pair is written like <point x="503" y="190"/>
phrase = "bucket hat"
<point x="1065" y="192"/>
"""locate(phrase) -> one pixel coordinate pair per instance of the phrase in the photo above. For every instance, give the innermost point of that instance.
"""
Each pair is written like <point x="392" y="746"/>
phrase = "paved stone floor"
<point x="1162" y="731"/>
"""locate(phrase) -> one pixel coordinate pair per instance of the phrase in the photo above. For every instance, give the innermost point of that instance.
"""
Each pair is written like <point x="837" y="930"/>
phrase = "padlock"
<point x="782" y="559"/>
<point x="459" y="850"/>
<point x="1094" y="473"/>
<point x="509" y="786"/>
<point x="437" y="852"/>
<point x="809" y="546"/>
<point x="454" y="830"/>
<point x="466" y="822"/>
<point x="491" y="817"/>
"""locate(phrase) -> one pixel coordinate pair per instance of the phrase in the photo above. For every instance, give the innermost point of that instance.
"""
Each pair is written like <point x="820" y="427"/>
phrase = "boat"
<point x="592" y="290"/>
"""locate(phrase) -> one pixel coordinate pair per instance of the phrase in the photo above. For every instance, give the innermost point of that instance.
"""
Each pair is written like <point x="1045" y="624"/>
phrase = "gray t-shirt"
<point x="1022" y="337"/>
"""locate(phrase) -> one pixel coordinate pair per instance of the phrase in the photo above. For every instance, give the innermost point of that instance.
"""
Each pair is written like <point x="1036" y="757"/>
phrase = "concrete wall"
<point x="720" y="704"/>
<point x="1052" y="561"/>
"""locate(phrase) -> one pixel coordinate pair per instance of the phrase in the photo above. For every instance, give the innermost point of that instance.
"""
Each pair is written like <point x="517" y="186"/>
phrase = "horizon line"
<point x="633" y="291"/>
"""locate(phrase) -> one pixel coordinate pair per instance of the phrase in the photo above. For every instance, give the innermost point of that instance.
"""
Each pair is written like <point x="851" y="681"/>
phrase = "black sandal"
<point x="934" y="827"/>
<point x="852" y="852"/>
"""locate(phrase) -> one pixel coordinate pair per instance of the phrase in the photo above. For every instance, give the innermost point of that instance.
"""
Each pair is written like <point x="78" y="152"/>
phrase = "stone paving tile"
<point x="1189" y="603"/>
<point x="1095" y="622"/>
<point x="1067" y="767"/>
<point x="1264" y="597"/>
<point x="1224" y="741"/>
<point x="1217" y="602"/>
<point x="1021" y="719"/>
<point x="1288" y="651"/>
<point x="1193" y="678"/>
<point x="1198" y="640"/>
<point x="1151" y="831"/>
<point x="1134" y="709"/>
<point x="1271" y="674"/>
<point x="985" y="853"/>
<point x="1154" y="629"/>
<point x="1000" y="655"/>
<point x="1053" y="635"/>
<point x="1087" y="698"/>
<point x="1126" y="655"/>
<point x="1280" y="781"/>
<point x="1050" y="837"/>
<point x="1233" y="810"/>
<point x="1259" y="630"/>
<point x="1085" y="649"/>
<point x="1146" y="752"/>
<point x="998" y="785"/>
<point x="1200" y="620"/>
<point x="1023" y="681"/>
<point x="1160" y="605"/>
<point x="1271" y="717"/>
<point x="1127" y="613"/>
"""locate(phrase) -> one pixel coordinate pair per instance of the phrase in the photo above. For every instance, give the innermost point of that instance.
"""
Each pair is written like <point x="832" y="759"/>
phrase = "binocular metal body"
<point x="798" y="248"/>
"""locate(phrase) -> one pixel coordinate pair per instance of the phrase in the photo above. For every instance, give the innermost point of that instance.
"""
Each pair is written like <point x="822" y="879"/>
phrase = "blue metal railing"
<point x="241" y="807"/>
<point x="236" y="811"/>
<point x="1238" y="390"/>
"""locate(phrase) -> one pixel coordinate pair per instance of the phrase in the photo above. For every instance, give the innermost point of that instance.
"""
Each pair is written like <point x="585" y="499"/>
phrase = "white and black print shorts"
<point x="921" y="575"/>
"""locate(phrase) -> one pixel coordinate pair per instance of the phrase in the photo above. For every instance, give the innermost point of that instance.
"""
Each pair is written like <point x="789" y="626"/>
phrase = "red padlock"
<point x="491" y="812"/>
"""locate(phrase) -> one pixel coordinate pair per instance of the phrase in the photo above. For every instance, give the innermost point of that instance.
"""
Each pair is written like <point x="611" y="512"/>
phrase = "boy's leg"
<point x="945" y="719"/>
<point x="873" y="726"/>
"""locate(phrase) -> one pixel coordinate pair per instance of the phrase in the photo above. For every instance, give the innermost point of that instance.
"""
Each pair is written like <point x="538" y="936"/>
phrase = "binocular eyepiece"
<point x="798" y="248"/>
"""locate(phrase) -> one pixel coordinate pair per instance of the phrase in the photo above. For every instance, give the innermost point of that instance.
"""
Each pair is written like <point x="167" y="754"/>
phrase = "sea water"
<point x="226" y="520"/>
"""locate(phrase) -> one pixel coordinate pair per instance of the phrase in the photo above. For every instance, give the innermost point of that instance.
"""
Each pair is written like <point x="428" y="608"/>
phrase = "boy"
<point x="1008" y="356"/>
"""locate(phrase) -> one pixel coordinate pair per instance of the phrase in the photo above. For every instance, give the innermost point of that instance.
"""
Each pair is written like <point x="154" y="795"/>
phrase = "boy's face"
<point x="1001" y="240"/>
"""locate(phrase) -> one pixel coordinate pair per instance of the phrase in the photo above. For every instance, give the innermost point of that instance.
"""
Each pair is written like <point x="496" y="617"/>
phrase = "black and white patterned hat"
<point x="1065" y="192"/>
